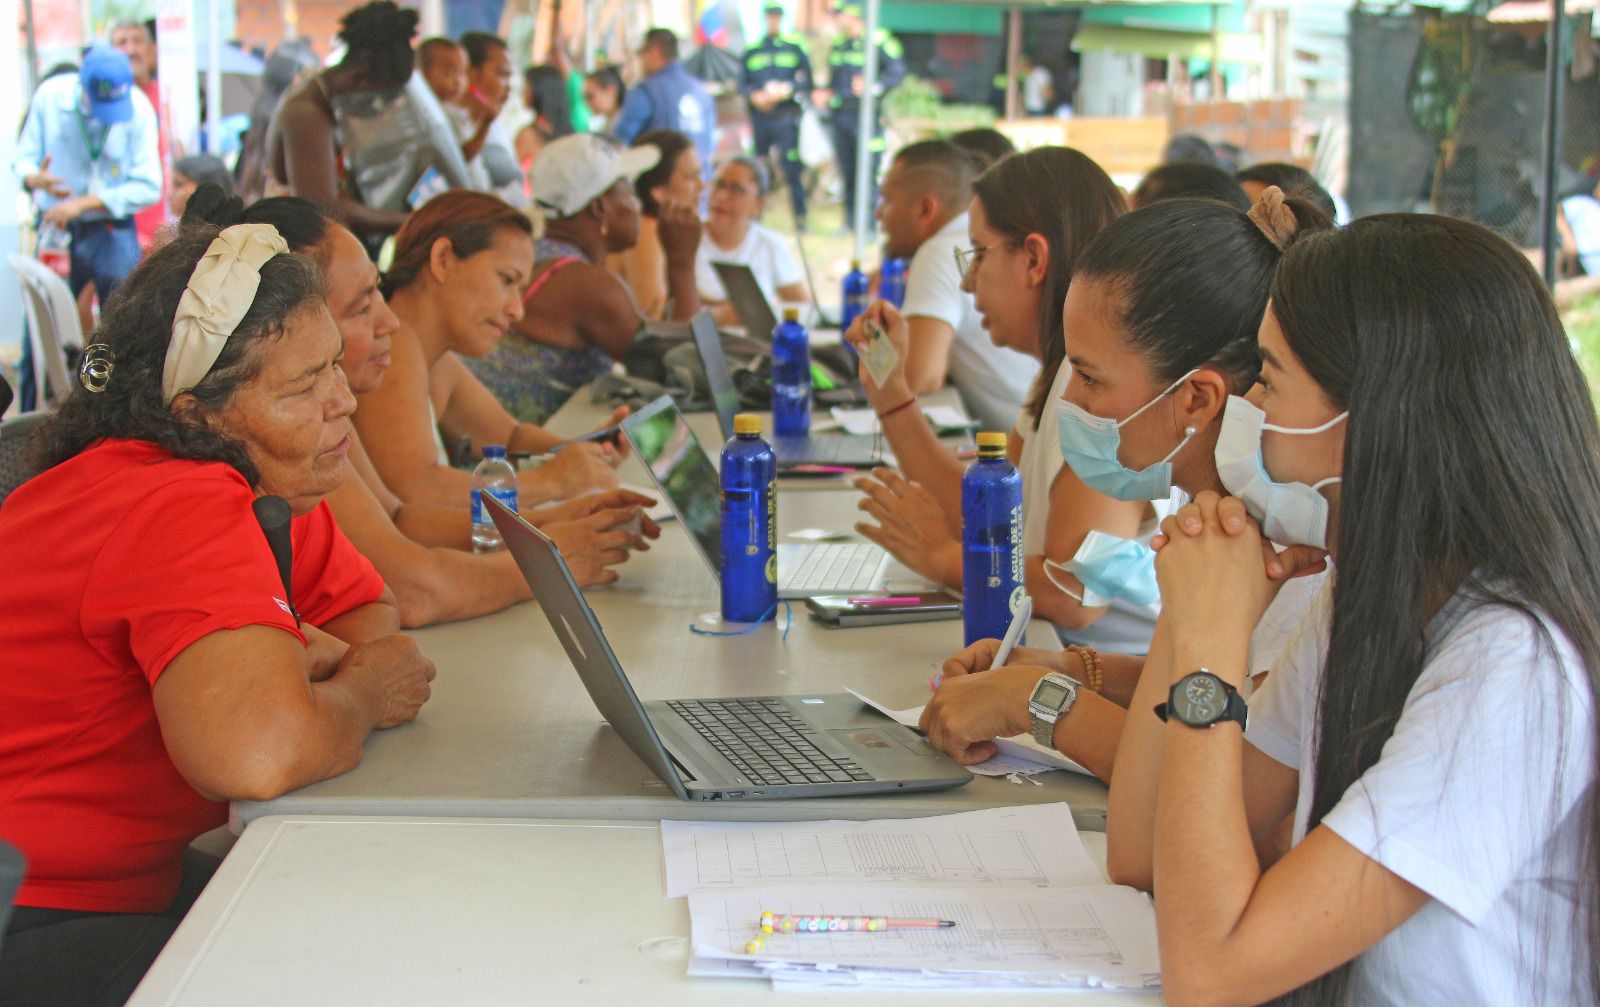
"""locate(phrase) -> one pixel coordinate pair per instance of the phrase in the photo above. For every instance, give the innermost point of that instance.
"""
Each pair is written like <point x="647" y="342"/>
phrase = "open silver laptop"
<point x="738" y="748"/>
<point x="683" y="471"/>
<point x="847" y="450"/>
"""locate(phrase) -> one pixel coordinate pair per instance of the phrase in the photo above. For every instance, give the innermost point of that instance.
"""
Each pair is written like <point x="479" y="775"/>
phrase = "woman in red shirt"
<point x="156" y="664"/>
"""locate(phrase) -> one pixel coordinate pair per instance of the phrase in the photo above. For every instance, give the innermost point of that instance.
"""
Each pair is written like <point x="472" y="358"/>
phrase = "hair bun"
<point x="1275" y="220"/>
<point x="210" y="205"/>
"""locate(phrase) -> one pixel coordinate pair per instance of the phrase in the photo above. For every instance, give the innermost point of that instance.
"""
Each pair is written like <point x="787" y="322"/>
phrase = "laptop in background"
<point x="851" y="451"/>
<point x="742" y="748"/>
<point x="688" y="481"/>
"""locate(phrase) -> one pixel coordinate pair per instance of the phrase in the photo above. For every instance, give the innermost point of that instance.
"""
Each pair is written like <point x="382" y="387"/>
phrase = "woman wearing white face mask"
<point x="1434" y="743"/>
<point x="1159" y="335"/>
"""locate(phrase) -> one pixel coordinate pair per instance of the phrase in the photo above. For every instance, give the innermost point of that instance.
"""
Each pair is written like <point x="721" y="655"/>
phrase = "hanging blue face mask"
<point x="1089" y="445"/>
<point x="1109" y="567"/>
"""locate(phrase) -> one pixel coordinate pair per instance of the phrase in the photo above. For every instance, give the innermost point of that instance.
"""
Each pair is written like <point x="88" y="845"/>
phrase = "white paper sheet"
<point x="1035" y="845"/>
<point x="1021" y="748"/>
<point x="1105" y="932"/>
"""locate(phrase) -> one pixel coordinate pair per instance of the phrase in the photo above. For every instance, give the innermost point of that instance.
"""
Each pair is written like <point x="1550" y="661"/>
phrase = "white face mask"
<point x="1289" y="513"/>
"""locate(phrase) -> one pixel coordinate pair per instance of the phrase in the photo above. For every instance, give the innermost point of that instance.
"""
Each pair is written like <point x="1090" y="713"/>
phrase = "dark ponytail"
<point x="1191" y="277"/>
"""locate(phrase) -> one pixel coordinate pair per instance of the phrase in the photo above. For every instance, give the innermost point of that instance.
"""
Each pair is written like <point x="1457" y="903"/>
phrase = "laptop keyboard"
<point x="765" y="741"/>
<point x="832" y="567"/>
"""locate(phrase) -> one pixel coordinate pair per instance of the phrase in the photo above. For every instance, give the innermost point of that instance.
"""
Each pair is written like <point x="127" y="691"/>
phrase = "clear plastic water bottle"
<point x="494" y="476"/>
<point x="991" y="537"/>
<point x="749" y="524"/>
<point x="55" y="249"/>
<point x="892" y="282"/>
<point x="791" y="377"/>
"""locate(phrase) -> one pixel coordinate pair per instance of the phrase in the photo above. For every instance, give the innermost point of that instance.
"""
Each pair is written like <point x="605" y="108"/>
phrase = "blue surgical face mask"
<point x="1090" y="443"/>
<point x="1109" y="567"/>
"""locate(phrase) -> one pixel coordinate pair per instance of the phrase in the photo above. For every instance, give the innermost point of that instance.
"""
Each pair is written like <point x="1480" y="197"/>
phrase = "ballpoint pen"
<point x="1019" y="622"/>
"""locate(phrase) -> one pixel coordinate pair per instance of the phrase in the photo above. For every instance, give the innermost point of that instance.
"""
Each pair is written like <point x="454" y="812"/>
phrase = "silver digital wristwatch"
<point x="1049" y="702"/>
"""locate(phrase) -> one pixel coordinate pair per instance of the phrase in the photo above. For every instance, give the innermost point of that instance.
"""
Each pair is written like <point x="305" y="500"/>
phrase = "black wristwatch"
<point x="1201" y="699"/>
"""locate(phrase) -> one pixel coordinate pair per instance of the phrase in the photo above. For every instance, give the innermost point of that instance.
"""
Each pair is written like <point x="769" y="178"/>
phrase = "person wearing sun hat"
<point x="579" y="318"/>
<point x="88" y="153"/>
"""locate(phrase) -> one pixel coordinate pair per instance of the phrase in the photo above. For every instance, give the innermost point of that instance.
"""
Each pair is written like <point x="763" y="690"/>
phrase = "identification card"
<point x="880" y="354"/>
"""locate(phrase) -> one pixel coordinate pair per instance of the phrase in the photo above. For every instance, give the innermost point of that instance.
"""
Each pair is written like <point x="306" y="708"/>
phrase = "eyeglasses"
<point x="967" y="259"/>
<point x="732" y="188"/>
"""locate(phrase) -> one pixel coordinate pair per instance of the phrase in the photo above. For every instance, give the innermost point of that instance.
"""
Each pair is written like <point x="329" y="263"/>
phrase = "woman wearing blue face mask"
<point x="1161" y="323"/>
<point x="1433" y="744"/>
<point x="1030" y="219"/>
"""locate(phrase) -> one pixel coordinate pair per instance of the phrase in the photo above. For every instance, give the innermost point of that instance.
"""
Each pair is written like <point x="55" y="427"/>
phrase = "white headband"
<point x="220" y="291"/>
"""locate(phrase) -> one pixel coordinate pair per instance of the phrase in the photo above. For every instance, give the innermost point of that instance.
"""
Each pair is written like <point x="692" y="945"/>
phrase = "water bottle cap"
<point x="494" y="451"/>
<point x="990" y="439"/>
<point x="855" y="265"/>
<point x="747" y="423"/>
<point x="791" y="314"/>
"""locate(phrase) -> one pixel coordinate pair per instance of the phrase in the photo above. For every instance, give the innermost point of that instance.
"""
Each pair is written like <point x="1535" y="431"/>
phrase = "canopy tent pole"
<point x="1554" y="111"/>
<point x="32" y="43"/>
<point x="591" y="28"/>
<point x="866" y="125"/>
<point x="214" y="81"/>
<point x="1013" y="51"/>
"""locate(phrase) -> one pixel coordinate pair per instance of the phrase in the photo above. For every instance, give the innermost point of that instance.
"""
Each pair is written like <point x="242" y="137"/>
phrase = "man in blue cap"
<point x="89" y="154"/>
<point x="777" y="73"/>
<point x="848" y="61"/>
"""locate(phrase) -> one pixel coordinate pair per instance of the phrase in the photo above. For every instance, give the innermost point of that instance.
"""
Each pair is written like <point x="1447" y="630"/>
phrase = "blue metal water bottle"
<point x="749" y="524"/>
<point x="991" y="537"/>
<point x="791" y="377"/>
<point x="892" y="282"/>
<point x="857" y="294"/>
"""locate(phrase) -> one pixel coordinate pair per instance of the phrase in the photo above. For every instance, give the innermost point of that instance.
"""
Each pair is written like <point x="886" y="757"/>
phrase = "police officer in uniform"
<point x="847" y="60"/>
<point x="777" y="73"/>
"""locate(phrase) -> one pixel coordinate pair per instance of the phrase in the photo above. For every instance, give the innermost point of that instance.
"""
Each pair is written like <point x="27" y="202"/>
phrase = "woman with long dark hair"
<point x="1031" y="217"/>
<point x="1432" y="741"/>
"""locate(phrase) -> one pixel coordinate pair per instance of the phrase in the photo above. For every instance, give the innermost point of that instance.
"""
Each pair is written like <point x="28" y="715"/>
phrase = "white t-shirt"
<point x="1477" y="799"/>
<point x="766" y="252"/>
<point x="993" y="380"/>
<point x="1036" y="91"/>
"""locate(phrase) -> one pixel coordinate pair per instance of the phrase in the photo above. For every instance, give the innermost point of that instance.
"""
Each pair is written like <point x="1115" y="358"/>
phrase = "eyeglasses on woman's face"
<point x="967" y="259"/>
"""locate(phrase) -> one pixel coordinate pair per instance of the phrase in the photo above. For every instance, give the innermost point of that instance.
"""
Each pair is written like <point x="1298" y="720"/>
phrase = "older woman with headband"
<point x="579" y="318"/>
<point x="156" y="664"/>
<point x="461" y="264"/>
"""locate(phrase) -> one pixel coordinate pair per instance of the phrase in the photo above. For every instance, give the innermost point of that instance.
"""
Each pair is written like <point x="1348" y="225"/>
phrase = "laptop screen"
<point x="683" y="470"/>
<point x="748" y="299"/>
<point x="714" y="358"/>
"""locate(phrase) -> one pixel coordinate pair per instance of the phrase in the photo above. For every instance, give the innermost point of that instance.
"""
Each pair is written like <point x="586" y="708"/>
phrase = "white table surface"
<point x="511" y="733"/>
<point x="402" y="911"/>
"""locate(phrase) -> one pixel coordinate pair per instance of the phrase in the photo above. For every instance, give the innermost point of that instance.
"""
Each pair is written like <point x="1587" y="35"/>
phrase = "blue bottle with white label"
<point x="495" y="476"/>
<point x="749" y="524"/>
<point x="892" y="282"/>
<point x="991" y="537"/>
<point x="791" y="377"/>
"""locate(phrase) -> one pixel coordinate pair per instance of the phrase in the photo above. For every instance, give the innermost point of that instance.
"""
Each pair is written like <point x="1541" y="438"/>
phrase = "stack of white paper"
<point x="1031" y="909"/>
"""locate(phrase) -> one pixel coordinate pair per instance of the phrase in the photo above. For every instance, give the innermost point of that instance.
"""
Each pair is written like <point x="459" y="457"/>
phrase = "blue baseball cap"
<point x="107" y="79"/>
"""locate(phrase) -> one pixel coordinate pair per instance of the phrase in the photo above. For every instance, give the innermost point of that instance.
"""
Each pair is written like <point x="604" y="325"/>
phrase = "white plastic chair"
<point x="52" y="314"/>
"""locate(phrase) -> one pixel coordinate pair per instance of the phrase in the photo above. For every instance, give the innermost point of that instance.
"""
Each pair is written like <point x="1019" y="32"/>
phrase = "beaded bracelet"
<point x="907" y="404"/>
<point x="1093" y="673"/>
